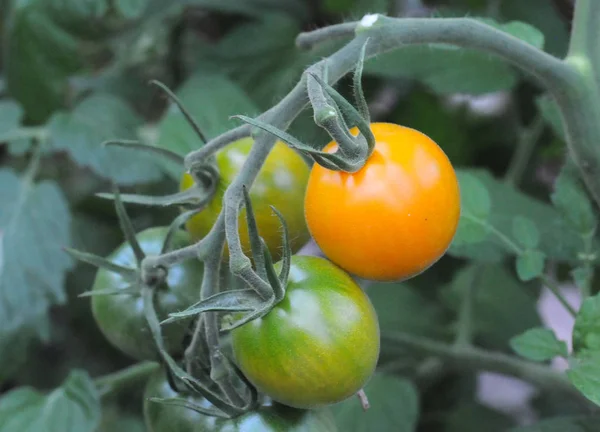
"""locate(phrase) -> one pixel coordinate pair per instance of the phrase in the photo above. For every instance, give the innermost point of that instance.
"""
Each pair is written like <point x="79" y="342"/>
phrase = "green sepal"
<point x="256" y="247"/>
<point x="226" y="301"/>
<point x="103" y="263"/>
<point x="127" y="227"/>
<point x="258" y="313"/>
<point x="175" y="227"/>
<point x="132" y="289"/>
<point x="354" y="118"/>
<point x="171" y="155"/>
<point x="272" y="276"/>
<point x="181" y="402"/>
<point x="193" y="196"/>
<point x="182" y="108"/>
<point x="286" y="260"/>
<point x="188" y="380"/>
<point x="328" y="160"/>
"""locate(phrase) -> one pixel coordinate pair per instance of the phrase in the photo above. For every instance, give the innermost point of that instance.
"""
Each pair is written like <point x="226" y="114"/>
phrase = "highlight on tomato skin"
<point x="395" y="217"/>
<point x="281" y="183"/>
<point x="319" y="345"/>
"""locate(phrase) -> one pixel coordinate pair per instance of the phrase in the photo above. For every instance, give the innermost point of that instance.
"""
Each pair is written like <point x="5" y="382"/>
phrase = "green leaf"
<point x="211" y="99"/>
<point x="586" y="331"/>
<point x="131" y="9"/>
<point x="255" y="8"/>
<point x="97" y="119"/>
<point x="39" y="56"/>
<point x="551" y="114"/>
<point x="571" y="200"/>
<point x="470" y="416"/>
<point x="401" y="306"/>
<point x="75" y="406"/>
<point x="521" y="30"/>
<point x="584" y="374"/>
<point x="502" y="307"/>
<point x="394" y="405"/>
<point x="538" y="344"/>
<point x="525" y="232"/>
<point x="563" y="424"/>
<point x="545" y="16"/>
<point x="11" y="114"/>
<point x="557" y="242"/>
<point x="34" y="226"/>
<point x="530" y="264"/>
<point x="475" y="209"/>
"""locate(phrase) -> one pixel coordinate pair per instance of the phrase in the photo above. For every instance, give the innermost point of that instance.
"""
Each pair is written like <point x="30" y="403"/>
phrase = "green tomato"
<point x="121" y="317"/>
<point x="318" y="346"/>
<point x="281" y="183"/>
<point x="269" y="418"/>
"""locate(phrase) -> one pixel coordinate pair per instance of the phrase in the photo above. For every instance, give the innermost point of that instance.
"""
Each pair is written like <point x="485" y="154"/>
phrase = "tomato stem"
<point x="116" y="381"/>
<point x="364" y="400"/>
<point x="472" y="357"/>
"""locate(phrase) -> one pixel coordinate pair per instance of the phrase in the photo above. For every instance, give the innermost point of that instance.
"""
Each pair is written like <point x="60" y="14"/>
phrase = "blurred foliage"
<point x="74" y="74"/>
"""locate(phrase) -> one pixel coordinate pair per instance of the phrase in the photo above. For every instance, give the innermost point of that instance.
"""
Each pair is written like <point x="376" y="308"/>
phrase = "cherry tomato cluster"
<point x="388" y="221"/>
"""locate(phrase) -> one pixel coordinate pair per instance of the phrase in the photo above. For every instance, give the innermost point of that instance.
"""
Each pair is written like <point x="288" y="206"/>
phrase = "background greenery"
<point x="75" y="73"/>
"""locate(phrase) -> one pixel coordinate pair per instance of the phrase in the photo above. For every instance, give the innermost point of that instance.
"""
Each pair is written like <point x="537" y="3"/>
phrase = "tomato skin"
<point x="270" y="417"/>
<point x="121" y="317"/>
<point x="281" y="183"/>
<point x="396" y="216"/>
<point x="318" y="346"/>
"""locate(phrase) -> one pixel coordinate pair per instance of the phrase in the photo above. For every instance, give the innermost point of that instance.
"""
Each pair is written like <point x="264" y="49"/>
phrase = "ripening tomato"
<point x="318" y="346"/>
<point x="269" y="418"/>
<point x="281" y="183"/>
<point x="393" y="218"/>
<point x="121" y="317"/>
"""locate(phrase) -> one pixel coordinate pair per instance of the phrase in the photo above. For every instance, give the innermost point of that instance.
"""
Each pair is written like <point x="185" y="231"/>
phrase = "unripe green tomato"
<point x="318" y="346"/>
<point x="269" y="418"/>
<point x="121" y="317"/>
<point x="281" y="183"/>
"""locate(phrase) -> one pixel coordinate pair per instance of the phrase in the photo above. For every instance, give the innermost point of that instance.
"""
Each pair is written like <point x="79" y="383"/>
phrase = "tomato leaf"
<point x="572" y="201"/>
<point x="583" y="373"/>
<point x="394" y="405"/>
<point x="502" y="308"/>
<point x="586" y="331"/>
<point x="11" y="114"/>
<point x="525" y="232"/>
<point x="530" y="264"/>
<point x="74" y="406"/>
<point x="469" y="416"/>
<point x="538" y="344"/>
<point x="475" y="209"/>
<point x="563" y="424"/>
<point x="131" y="9"/>
<point x="210" y="99"/>
<point x="34" y="225"/>
<point x="401" y="306"/>
<point x="557" y="241"/>
<point x="551" y="114"/>
<point x="100" y="118"/>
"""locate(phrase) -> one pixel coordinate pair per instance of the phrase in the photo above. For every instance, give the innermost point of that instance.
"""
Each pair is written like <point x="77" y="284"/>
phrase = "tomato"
<point x="121" y="317"/>
<point x="393" y="218"/>
<point x="318" y="346"/>
<point x="269" y="418"/>
<point x="281" y="182"/>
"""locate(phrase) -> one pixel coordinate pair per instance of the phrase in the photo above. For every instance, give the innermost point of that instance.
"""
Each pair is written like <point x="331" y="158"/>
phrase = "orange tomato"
<point x="393" y="218"/>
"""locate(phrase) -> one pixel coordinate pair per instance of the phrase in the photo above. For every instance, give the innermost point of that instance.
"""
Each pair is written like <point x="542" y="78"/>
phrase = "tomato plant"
<point x="270" y="417"/>
<point x="280" y="183"/>
<point x="319" y="345"/>
<point x="441" y="157"/>
<point x="120" y="317"/>
<point x="393" y="218"/>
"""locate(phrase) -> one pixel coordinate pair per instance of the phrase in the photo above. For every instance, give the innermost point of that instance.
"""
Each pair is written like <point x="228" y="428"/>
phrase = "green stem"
<point x="553" y="286"/>
<point x="464" y="332"/>
<point x="586" y="32"/>
<point x="527" y="141"/>
<point x="36" y="133"/>
<point x="471" y="357"/>
<point x="115" y="381"/>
